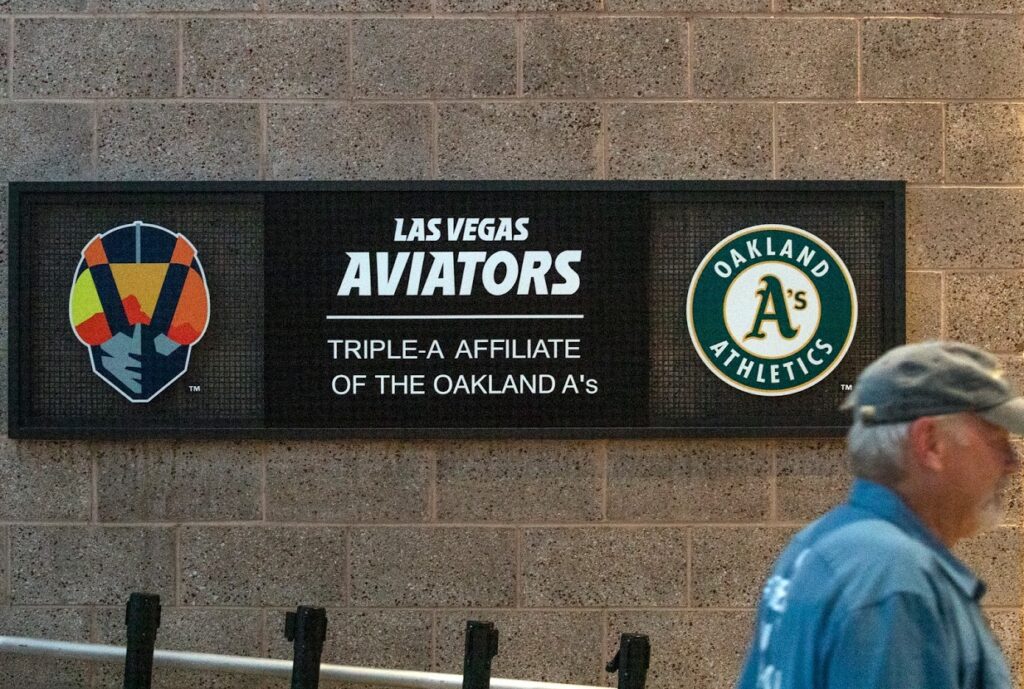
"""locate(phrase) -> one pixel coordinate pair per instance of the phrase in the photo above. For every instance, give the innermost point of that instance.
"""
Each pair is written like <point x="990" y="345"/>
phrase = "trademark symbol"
<point x="194" y="388"/>
<point x="845" y="387"/>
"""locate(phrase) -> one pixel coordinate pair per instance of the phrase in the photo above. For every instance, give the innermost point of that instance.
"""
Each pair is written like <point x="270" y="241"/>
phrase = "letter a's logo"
<point x="772" y="307"/>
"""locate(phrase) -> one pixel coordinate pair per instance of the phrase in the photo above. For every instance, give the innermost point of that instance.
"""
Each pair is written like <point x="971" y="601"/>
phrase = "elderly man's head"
<point x="933" y="422"/>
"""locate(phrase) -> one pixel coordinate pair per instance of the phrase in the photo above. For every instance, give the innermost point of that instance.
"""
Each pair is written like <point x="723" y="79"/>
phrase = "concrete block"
<point x="62" y="624"/>
<point x="688" y="648"/>
<point x="775" y="58"/>
<point x="348" y="482"/>
<point x="995" y="556"/>
<point x="939" y="220"/>
<point x="220" y="630"/>
<point x="549" y="646"/>
<point x="860" y="141"/>
<point x="57" y="565"/>
<point x="33" y="6"/>
<point x="339" y="141"/>
<point x="689" y="141"/>
<point x="924" y="306"/>
<point x="44" y="481"/>
<point x="607" y="57"/>
<point x="744" y="6"/>
<point x="730" y="564"/>
<point x="242" y="58"/>
<point x="985" y="309"/>
<point x="984" y="143"/>
<point x="812" y="477"/>
<point x="45" y="141"/>
<point x="1006" y="628"/>
<point x="372" y="638"/>
<point x="95" y="58"/>
<point x="178" y="141"/>
<point x="263" y="566"/>
<point x="517" y="5"/>
<point x="348" y="5"/>
<point x="157" y="481"/>
<point x="4" y="559"/>
<point x="688" y="480"/>
<point x="521" y="481"/>
<point x="518" y="140"/>
<point x="901" y="6"/>
<point x="433" y="567"/>
<point x="114" y="6"/>
<point x="591" y="567"/>
<point x="5" y="49"/>
<point x="468" y="58"/>
<point x="952" y="57"/>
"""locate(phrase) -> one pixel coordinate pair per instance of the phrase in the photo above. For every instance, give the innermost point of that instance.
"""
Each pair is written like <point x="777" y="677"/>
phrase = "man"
<point x="870" y="596"/>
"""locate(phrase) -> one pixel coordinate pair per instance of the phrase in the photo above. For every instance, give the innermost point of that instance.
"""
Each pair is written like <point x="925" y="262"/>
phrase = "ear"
<point x="926" y="444"/>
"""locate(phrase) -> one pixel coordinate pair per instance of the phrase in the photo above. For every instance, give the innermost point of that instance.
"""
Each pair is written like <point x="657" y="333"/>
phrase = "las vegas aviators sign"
<point x="139" y="301"/>
<point x="772" y="310"/>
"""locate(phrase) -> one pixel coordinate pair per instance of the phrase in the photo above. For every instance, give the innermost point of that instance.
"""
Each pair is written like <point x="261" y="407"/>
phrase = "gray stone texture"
<point x="56" y="6"/>
<point x="689" y="141"/>
<point x="348" y="482"/>
<point x="95" y="58"/>
<point x="469" y="58"/>
<point x="688" y="481"/>
<point x="159" y="481"/>
<point x="546" y="646"/>
<point x="140" y="141"/>
<point x="744" y="6"/>
<point x="860" y="141"/>
<point x="59" y="624"/>
<point x="517" y="5"/>
<point x="4" y="560"/>
<point x="45" y="141"/>
<point x="688" y="648"/>
<point x="222" y="630"/>
<point x="113" y="6"/>
<point x="347" y="5"/>
<point x="242" y="58"/>
<point x="730" y="564"/>
<point x="995" y="557"/>
<point x="984" y="143"/>
<point x="349" y="141"/>
<point x="272" y="565"/>
<point x="952" y="57"/>
<point x="939" y="221"/>
<point x="607" y="567"/>
<point x="924" y="306"/>
<point x="370" y="638"/>
<point x="811" y="478"/>
<point x="72" y="565"/>
<point x="44" y="481"/>
<point x="776" y="58"/>
<point x="604" y="58"/>
<point x="518" y="482"/>
<point x="518" y="140"/>
<point x="977" y="301"/>
<point x="4" y="57"/>
<point x="898" y="6"/>
<point x="433" y="567"/>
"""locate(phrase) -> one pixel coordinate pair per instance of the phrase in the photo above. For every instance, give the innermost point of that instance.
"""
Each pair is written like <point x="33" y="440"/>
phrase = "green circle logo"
<point x="772" y="310"/>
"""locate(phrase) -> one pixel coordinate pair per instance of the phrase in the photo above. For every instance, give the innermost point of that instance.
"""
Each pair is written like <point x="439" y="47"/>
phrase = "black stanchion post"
<point x="307" y="627"/>
<point x="631" y="661"/>
<point x="481" y="647"/>
<point x="142" y="618"/>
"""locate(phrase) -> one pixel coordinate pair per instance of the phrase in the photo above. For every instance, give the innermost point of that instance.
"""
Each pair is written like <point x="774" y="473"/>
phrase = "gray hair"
<point x="878" y="452"/>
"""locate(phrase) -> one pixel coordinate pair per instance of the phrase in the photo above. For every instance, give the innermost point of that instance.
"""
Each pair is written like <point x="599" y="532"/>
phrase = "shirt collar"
<point x="886" y="504"/>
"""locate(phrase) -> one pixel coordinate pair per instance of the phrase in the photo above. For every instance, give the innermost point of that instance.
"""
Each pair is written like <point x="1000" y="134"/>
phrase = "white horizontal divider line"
<point x="456" y="317"/>
<point x="261" y="666"/>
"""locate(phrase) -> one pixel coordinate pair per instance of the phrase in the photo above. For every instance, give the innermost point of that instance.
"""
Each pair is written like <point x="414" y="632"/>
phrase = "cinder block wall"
<point x="563" y="544"/>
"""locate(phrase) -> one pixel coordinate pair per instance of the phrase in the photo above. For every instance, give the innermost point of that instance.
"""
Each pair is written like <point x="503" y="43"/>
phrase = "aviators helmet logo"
<point x="139" y="302"/>
<point x="772" y="310"/>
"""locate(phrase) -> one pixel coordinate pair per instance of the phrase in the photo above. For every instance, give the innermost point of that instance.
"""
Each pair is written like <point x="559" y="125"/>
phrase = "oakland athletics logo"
<point x="772" y="310"/>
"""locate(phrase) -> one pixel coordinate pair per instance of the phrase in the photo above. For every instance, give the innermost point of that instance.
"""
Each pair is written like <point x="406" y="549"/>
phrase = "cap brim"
<point x="1008" y="415"/>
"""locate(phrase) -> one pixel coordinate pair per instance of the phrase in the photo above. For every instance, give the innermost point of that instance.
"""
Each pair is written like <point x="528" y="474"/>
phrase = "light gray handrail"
<point x="261" y="666"/>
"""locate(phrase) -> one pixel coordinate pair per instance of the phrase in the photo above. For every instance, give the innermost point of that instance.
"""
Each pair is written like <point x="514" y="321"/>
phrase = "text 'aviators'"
<point x="935" y="378"/>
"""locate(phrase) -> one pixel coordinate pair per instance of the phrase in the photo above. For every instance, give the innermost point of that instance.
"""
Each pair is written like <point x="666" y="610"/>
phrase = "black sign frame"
<point x="891" y="252"/>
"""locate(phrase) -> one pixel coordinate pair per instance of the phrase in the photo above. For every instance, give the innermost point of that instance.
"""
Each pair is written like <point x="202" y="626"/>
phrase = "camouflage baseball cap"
<point x="935" y="378"/>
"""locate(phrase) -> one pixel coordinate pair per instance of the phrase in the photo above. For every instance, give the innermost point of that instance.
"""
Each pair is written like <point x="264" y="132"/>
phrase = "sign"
<point x="469" y="309"/>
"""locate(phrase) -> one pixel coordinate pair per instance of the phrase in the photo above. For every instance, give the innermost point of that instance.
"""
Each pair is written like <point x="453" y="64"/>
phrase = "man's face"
<point x="980" y="470"/>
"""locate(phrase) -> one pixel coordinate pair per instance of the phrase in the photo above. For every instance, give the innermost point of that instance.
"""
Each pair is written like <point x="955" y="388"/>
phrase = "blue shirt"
<point x="867" y="598"/>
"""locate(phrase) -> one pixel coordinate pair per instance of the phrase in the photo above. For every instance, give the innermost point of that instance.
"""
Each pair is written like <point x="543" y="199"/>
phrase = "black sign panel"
<point x="487" y="309"/>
